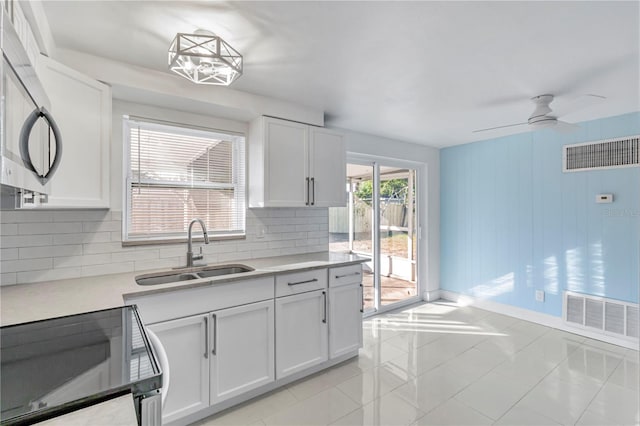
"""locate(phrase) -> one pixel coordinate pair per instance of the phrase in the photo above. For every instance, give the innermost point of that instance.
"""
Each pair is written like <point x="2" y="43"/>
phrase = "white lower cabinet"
<point x="216" y="356"/>
<point x="242" y="349"/>
<point x="231" y="340"/>
<point x="345" y="310"/>
<point x="184" y="340"/>
<point x="301" y="332"/>
<point x="345" y="319"/>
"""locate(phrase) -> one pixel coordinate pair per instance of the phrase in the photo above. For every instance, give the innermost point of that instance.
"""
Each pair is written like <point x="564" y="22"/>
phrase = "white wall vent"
<point x="593" y="313"/>
<point x="610" y="153"/>
<point x="608" y="316"/>
<point x="632" y="321"/>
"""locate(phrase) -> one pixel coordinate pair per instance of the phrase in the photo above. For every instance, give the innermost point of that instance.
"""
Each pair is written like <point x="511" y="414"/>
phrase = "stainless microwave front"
<point x="30" y="142"/>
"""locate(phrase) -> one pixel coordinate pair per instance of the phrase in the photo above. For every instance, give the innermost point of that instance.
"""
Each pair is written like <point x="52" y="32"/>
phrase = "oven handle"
<point x="163" y="360"/>
<point x="25" y="132"/>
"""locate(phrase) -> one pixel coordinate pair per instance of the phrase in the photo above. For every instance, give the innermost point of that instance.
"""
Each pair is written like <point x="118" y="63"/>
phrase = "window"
<point x="176" y="174"/>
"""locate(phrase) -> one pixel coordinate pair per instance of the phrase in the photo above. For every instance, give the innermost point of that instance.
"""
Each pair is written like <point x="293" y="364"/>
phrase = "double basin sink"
<point x="167" y="277"/>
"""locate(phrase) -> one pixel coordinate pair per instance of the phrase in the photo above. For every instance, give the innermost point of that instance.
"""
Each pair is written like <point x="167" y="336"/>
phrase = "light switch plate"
<point x="539" y="295"/>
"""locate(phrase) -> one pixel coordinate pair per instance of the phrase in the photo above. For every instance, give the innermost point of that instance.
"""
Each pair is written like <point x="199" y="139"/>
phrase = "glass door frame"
<point x="375" y="162"/>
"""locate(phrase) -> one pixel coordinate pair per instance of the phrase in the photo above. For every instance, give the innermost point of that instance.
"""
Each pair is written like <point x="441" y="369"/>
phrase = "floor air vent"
<point x="621" y="152"/>
<point x="608" y="316"/>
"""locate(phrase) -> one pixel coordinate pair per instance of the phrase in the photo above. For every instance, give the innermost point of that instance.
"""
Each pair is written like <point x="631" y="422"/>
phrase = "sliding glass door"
<point x="380" y="223"/>
<point x="398" y="242"/>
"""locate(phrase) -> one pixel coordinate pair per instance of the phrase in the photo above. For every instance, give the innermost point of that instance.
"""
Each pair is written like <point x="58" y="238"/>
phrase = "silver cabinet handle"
<point x="215" y="334"/>
<point x="324" y="313"/>
<point x="303" y="282"/>
<point x="313" y="188"/>
<point x="347" y="275"/>
<point x="361" y="298"/>
<point x="206" y="337"/>
<point x="308" y="191"/>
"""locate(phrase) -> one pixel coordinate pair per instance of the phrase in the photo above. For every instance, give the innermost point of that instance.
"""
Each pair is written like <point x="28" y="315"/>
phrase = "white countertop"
<point x="31" y="302"/>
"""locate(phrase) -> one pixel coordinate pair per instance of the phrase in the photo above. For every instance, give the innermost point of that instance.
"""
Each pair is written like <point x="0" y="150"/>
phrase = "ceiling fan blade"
<point x="564" y="127"/>
<point x="577" y="103"/>
<point x="499" y="127"/>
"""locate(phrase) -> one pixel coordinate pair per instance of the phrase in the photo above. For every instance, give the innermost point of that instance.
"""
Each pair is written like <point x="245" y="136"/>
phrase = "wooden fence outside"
<point x="394" y="215"/>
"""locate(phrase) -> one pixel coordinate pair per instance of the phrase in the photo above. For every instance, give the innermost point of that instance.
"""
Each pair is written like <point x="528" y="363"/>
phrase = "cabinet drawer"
<point x="300" y="282"/>
<point x="344" y="275"/>
<point x="181" y="303"/>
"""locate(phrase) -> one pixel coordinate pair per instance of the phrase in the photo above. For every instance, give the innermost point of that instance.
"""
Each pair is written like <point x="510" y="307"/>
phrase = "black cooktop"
<point x="57" y="365"/>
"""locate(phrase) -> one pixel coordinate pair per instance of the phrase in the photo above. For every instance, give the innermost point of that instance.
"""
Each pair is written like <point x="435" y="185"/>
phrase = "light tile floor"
<point x="440" y="364"/>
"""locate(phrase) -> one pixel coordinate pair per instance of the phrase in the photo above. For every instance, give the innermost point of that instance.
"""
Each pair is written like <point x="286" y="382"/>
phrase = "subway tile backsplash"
<point x="52" y="245"/>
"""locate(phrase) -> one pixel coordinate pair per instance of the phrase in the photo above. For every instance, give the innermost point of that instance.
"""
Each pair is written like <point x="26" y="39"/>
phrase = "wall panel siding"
<point x="513" y="223"/>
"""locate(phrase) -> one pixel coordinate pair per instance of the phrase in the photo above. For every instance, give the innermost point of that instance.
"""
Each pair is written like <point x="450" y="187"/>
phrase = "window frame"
<point x="239" y="165"/>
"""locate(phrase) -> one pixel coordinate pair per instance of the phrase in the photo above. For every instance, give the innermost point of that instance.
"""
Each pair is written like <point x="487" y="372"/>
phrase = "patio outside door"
<point x="380" y="223"/>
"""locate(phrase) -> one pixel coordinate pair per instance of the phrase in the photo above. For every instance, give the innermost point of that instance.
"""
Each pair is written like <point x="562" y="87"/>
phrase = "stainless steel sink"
<point x="191" y="274"/>
<point x="216" y="271"/>
<point x="165" y="278"/>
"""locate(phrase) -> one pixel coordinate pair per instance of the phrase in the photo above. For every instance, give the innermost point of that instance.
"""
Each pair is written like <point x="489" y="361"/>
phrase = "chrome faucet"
<point x="190" y="256"/>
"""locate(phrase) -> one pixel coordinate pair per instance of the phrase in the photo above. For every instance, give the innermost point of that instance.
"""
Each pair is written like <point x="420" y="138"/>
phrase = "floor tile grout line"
<point x="526" y="393"/>
<point x="468" y="406"/>
<point x="601" y="387"/>
<point x="540" y="381"/>
<point x="295" y="401"/>
<point x="359" y="405"/>
<point x="549" y="373"/>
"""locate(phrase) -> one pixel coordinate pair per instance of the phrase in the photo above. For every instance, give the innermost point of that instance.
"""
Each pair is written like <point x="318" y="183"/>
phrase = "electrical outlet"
<point x="261" y="232"/>
<point x="604" y="198"/>
<point x="539" y="295"/>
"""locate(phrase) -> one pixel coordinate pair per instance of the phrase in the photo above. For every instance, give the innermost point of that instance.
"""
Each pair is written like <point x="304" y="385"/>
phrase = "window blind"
<point x="176" y="174"/>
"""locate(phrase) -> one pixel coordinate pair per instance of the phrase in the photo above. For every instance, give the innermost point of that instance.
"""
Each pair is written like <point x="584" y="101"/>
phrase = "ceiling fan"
<point x="543" y="116"/>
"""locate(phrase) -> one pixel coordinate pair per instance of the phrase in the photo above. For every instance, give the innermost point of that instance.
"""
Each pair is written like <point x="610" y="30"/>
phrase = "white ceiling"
<point x="424" y="72"/>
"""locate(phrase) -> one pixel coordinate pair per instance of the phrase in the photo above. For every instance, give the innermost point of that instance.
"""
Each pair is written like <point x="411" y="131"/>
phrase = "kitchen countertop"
<point x="31" y="302"/>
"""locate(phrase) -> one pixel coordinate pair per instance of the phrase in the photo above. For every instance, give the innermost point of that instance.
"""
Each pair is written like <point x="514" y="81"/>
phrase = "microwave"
<point x="30" y="141"/>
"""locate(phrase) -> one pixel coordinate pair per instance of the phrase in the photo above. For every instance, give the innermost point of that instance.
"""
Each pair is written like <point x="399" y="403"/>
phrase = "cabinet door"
<point x="328" y="168"/>
<point x="286" y="163"/>
<point x="242" y="349"/>
<point x="301" y="332"/>
<point x="345" y="319"/>
<point x="81" y="107"/>
<point x="185" y="341"/>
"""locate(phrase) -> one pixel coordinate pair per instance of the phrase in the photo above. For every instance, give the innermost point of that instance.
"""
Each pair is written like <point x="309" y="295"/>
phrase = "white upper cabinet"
<point x="327" y="168"/>
<point x="81" y="107"/>
<point x="279" y="166"/>
<point x="25" y="33"/>
<point x="295" y="165"/>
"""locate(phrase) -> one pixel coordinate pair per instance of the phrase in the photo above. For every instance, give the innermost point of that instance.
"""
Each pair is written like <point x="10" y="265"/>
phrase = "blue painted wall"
<point x="512" y="222"/>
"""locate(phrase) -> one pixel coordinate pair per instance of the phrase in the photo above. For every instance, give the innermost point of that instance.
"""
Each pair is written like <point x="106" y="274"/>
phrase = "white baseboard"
<point x="532" y="316"/>
<point x="430" y="296"/>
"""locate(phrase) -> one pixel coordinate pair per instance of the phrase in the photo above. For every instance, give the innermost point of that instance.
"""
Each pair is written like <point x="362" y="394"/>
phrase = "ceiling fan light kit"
<point x="539" y="117"/>
<point x="204" y="58"/>
<point x="542" y="106"/>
